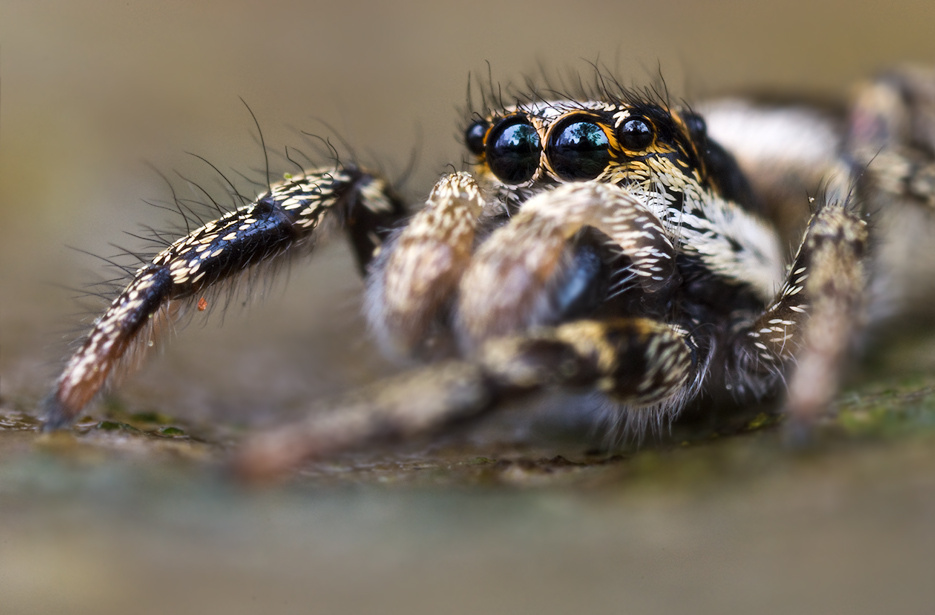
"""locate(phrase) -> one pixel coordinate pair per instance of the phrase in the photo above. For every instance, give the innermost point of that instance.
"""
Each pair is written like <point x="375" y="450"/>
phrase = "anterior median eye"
<point x="578" y="150"/>
<point x="513" y="149"/>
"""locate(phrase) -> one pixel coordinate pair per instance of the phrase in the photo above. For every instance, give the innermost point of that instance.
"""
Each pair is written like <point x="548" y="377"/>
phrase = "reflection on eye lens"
<point x="579" y="150"/>
<point x="513" y="150"/>
<point x="635" y="134"/>
<point x="474" y="137"/>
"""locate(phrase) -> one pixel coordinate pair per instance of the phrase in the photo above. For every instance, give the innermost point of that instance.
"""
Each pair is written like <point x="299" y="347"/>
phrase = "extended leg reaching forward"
<point x="282" y="224"/>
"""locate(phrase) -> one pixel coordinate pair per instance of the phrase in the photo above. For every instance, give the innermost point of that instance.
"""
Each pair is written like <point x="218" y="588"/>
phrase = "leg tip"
<point x="53" y="415"/>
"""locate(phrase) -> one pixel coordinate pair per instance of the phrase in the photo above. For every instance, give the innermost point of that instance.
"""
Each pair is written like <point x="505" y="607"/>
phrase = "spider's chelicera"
<point x="615" y="243"/>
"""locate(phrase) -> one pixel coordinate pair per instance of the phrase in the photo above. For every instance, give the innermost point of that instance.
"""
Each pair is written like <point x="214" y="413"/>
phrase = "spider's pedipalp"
<point x="285" y="222"/>
<point x="510" y="285"/>
<point x="412" y="280"/>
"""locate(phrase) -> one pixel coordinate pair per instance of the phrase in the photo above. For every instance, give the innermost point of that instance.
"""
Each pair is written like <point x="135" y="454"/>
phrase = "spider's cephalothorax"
<point x="608" y="244"/>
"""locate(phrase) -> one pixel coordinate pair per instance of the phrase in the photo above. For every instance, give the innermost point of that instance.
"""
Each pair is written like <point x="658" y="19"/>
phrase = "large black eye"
<point x="635" y="134"/>
<point x="578" y="149"/>
<point x="513" y="150"/>
<point x="474" y="137"/>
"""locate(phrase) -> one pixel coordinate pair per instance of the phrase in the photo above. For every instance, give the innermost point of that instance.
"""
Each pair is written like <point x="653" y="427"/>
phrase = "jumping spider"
<point x="611" y="242"/>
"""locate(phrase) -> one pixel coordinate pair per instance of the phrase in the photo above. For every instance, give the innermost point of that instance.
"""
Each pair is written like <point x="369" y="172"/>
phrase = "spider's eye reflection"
<point x="513" y="150"/>
<point x="635" y="134"/>
<point x="578" y="150"/>
<point x="474" y="137"/>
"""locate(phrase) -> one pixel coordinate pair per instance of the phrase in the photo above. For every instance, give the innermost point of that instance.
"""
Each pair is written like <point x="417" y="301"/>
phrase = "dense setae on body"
<point x="607" y="242"/>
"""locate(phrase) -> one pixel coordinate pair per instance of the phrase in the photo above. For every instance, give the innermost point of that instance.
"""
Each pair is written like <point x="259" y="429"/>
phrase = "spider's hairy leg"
<point x="835" y="289"/>
<point x="891" y="129"/>
<point x="814" y="316"/>
<point x="891" y="141"/>
<point x="413" y="279"/>
<point x="283" y="223"/>
<point x="635" y="361"/>
<point x="511" y="283"/>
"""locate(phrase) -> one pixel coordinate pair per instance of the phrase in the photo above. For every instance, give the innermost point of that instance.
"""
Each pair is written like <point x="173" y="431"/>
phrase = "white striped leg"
<point x="283" y="223"/>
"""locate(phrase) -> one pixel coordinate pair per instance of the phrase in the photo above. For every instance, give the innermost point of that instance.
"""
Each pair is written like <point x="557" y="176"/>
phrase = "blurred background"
<point x="93" y="92"/>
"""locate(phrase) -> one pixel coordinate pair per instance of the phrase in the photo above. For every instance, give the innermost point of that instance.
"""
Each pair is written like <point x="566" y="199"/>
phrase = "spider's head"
<point x="565" y="141"/>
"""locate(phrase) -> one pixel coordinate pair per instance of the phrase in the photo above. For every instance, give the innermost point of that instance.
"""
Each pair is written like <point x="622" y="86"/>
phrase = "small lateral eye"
<point x="513" y="150"/>
<point x="578" y="149"/>
<point x="635" y="134"/>
<point x="474" y="136"/>
<point x="696" y="125"/>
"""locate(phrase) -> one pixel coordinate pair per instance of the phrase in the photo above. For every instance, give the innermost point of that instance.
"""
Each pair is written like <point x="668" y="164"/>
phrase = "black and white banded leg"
<point x="641" y="364"/>
<point x="284" y="223"/>
<point x="813" y="319"/>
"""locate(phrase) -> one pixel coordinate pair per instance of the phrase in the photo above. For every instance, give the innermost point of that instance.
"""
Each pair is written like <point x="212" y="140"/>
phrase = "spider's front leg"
<point x="285" y="222"/>
<point x="811" y="321"/>
<point x="638" y="362"/>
